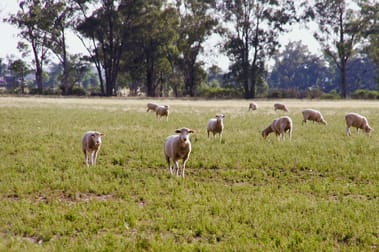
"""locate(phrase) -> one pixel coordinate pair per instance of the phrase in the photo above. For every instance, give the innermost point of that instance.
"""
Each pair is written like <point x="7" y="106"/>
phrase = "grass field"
<point x="318" y="192"/>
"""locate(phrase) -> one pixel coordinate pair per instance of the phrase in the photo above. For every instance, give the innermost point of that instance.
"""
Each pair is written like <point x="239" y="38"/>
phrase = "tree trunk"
<point x="39" y="79"/>
<point x="343" y="79"/>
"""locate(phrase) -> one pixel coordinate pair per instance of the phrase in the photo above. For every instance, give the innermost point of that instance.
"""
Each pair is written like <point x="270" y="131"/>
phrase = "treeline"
<point x="152" y="47"/>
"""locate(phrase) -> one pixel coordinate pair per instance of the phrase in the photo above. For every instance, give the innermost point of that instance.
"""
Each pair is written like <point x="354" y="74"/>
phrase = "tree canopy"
<point x="154" y="46"/>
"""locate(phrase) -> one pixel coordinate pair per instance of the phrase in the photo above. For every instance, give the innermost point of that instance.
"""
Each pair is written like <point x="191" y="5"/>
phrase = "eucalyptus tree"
<point x="339" y="33"/>
<point x="35" y="19"/>
<point x="197" y="22"/>
<point x="3" y="67"/>
<point x="297" y="68"/>
<point x="252" y="31"/>
<point x="62" y="13"/>
<point x="105" y="28"/>
<point x="370" y="15"/>
<point x="152" y="46"/>
<point x="19" y="69"/>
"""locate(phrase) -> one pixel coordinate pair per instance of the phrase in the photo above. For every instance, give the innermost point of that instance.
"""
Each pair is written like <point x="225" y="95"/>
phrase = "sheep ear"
<point x="191" y="131"/>
<point x="102" y="134"/>
<point x="178" y="131"/>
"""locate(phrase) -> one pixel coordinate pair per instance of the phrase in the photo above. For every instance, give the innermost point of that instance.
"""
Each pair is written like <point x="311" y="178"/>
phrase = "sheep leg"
<point x="348" y="131"/>
<point x="184" y="167"/>
<point x="85" y="157"/>
<point x="94" y="157"/>
<point x="168" y="165"/>
<point x="91" y="158"/>
<point x="176" y="167"/>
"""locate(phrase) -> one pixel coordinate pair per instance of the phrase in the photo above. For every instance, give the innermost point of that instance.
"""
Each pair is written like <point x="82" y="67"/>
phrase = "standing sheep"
<point x="253" y="106"/>
<point x="312" y="115"/>
<point x="279" y="126"/>
<point x="151" y="106"/>
<point x="162" y="110"/>
<point x="216" y="125"/>
<point x="280" y="106"/>
<point x="91" y="143"/>
<point x="358" y="121"/>
<point x="178" y="147"/>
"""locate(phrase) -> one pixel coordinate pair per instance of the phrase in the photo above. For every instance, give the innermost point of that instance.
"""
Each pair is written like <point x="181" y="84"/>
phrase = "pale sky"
<point x="9" y="40"/>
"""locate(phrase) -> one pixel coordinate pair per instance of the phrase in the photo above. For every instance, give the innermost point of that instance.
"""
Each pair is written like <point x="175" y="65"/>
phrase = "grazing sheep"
<point x="162" y="110"/>
<point x="253" y="106"/>
<point x="280" y="106"/>
<point x="91" y="143"/>
<point x="178" y="147"/>
<point x="151" y="106"/>
<point x="279" y="126"/>
<point x="358" y="121"/>
<point x="216" y="125"/>
<point x="312" y="115"/>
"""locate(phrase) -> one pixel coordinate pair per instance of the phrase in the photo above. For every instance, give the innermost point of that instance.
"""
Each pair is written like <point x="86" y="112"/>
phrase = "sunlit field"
<point x="318" y="192"/>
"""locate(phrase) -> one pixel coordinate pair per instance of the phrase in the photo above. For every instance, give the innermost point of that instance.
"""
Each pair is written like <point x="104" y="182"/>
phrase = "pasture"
<point x="318" y="192"/>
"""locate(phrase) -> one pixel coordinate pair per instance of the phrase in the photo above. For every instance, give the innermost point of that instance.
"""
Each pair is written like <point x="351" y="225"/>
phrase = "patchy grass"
<point x="318" y="192"/>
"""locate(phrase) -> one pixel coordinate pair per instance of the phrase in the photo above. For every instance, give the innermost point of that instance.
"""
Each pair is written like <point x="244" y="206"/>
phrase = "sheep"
<point x="253" y="106"/>
<point x="216" y="125"/>
<point x="358" y="121"/>
<point x="312" y="115"/>
<point x="91" y="143"/>
<point x="151" y="106"/>
<point x="178" y="147"/>
<point x="280" y="106"/>
<point x="162" y="110"/>
<point x="279" y="126"/>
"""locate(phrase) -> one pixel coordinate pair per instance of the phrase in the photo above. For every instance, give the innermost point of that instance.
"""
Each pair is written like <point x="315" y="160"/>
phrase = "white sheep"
<point x="253" y="106"/>
<point x="162" y="110"/>
<point x="358" y="121"/>
<point x="178" y="147"/>
<point x="151" y="106"/>
<point x="313" y="115"/>
<point x="280" y="106"/>
<point x="279" y="126"/>
<point x="216" y="125"/>
<point x="91" y="143"/>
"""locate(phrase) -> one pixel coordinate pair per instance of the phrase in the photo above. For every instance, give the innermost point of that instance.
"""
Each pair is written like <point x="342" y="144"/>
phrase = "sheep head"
<point x="96" y="138"/>
<point x="184" y="134"/>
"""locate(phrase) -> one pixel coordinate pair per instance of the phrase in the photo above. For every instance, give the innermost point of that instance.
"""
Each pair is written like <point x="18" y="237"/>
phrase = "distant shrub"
<point x="78" y="91"/>
<point x="217" y="92"/>
<point x="51" y="91"/>
<point x="314" y="93"/>
<point x="365" y="94"/>
<point x="274" y="93"/>
<point x="332" y="95"/>
<point x="286" y="93"/>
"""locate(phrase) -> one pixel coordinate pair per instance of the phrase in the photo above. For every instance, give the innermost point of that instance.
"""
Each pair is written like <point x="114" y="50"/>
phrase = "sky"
<point x="211" y="56"/>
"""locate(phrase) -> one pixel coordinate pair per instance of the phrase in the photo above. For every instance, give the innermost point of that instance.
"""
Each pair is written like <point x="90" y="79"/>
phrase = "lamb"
<point x="91" y="143"/>
<point x="151" y="106"/>
<point x="279" y="126"/>
<point x="358" y="121"/>
<point x="216" y="125"/>
<point x="162" y="110"/>
<point x="312" y="115"/>
<point x="280" y="106"/>
<point x="178" y="147"/>
<point x="253" y="106"/>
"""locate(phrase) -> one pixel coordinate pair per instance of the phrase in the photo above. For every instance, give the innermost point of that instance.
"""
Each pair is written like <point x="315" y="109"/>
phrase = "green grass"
<point x="318" y="192"/>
